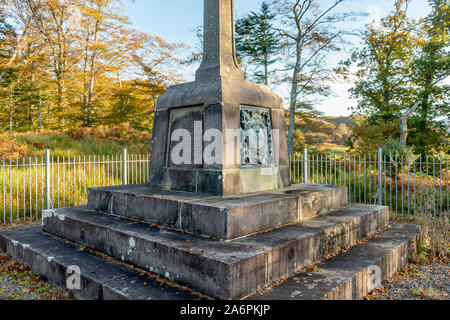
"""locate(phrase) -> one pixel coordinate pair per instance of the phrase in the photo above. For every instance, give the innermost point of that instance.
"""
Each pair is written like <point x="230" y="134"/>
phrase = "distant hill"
<point x="323" y="132"/>
<point x="339" y="120"/>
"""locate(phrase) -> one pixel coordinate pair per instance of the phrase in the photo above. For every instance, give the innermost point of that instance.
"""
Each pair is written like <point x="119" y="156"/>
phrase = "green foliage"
<point x="368" y="138"/>
<point x="397" y="151"/>
<point x="434" y="228"/>
<point x="339" y="120"/>
<point x="430" y="68"/>
<point x="402" y="62"/>
<point x="384" y="63"/>
<point x="422" y="251"/>
<point x="257" y="42"/>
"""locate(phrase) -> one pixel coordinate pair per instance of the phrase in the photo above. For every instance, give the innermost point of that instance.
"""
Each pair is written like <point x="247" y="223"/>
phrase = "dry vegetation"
<point x="84" y="141"/>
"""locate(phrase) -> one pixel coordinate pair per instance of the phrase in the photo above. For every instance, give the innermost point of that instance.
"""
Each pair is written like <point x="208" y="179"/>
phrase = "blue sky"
<point x="175" y="20"/>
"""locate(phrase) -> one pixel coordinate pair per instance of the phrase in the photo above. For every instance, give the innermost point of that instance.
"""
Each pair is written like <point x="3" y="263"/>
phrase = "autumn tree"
<point x="15" y="33"/>
<point x="400" y="70"/>
<point x="54" y="22"/>
<point x="7" y="37"/>
<point x="79" y="63"/>
<point x="157" y="65"/>
<point x="384" y="66"/>
<point x="22" y="75"/>
<point x="311" y="34"/>
<point x="430" y="70"/>
<point x="101" y="45"/>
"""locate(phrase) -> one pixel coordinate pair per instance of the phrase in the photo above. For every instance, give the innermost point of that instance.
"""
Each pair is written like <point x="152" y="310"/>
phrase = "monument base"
<point x="344" y="277"/>
<point x="225" y="269"/>
<point x="220" y="269"/>
<point x="223" y="218"/>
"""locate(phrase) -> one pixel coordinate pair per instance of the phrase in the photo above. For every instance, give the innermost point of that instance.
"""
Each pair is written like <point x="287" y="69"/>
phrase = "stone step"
<point x="343" y="277"/>
<point x="219" y="217"/>
<point x="100" y="279"/>
<point x="220" y="269"/>
<point x="352" y="275"/>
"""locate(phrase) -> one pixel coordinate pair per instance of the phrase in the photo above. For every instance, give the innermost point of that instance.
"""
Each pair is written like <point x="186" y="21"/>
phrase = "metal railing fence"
<point x="403" y="184"/>
<point x="29" y="185"/>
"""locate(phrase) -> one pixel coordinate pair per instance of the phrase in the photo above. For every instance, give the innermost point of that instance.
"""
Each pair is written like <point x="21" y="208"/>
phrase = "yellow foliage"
<point x="370" y="138"/>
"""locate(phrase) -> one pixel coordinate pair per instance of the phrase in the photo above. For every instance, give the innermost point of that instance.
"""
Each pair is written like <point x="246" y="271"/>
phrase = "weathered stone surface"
<point x="219" y="217"/>
<point x="220" y="89"/>
<point x="236" y="217"/>
<point x="185" y="119"/>
<point x="343" y="277"/>
<point x="280" y="140"/>
<point x="159" y="142"/>
<point x="219" y="49"/>
<point x="225" y="270"/>
<point x="208" y="178"/>
<point x="256" y="137"/>
<point x="348" y="276"/>
<point x="219" y="78"/>
<point x="100" y="279"/>
<point x="314" y="200"/>
<point x="140" y="203"/>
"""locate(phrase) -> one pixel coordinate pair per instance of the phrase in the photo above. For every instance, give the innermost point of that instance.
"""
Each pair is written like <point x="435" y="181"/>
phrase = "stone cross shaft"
<point x="220" y="102"/>
<point x="219" y="48"/>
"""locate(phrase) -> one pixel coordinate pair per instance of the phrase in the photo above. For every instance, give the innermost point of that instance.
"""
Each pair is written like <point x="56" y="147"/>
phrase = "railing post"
<point x="380" y="176"/>
<point x="124" y="167"/>
<point x="290" y="167"/>
<point x="305" y="160"/>
<point x="47" y="187"/>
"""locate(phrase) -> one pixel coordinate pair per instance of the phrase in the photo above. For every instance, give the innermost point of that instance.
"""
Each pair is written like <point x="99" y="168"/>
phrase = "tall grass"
<point x="63" y="145"/>
<point x="22" y="182"/>
<point x="400" y="183"/>
<point x="98" y="141"/>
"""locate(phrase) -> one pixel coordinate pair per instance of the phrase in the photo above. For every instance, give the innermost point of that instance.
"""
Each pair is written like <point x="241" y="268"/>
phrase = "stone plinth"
<point x="220" y="269"/>
<point x="219" y="217"/>
<point x="250" y="155"/>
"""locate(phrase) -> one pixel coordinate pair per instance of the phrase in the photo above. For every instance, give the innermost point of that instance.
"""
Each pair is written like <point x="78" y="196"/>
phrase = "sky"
<point x="176" y="20"/>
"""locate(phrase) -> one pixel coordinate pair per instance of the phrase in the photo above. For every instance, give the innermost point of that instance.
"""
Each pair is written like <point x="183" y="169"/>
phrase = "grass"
<point x="330" y="148"/>
<point x="85" y="141"/>
<point x="404" y="193"/>
<point x="63" y="145"/>
<point x="22" y="186"/>
<point x="81" y="159"/>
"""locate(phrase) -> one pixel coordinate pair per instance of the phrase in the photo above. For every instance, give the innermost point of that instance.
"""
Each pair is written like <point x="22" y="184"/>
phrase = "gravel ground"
<point x="18" y="283"/>
<point x="413" y="282"/>
<point x="417" y="282"/>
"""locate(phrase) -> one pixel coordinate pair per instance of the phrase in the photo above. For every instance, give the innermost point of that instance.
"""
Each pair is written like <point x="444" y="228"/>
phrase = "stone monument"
<point x="219" y="214"/>
<point x="220" y="101"/>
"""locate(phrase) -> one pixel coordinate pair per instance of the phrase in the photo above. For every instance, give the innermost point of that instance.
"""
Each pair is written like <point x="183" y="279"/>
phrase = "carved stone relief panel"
<point x="256" y="137"/>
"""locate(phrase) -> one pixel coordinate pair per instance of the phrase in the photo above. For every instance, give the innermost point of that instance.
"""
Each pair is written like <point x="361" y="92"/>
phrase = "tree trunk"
<point x="293" y="101"/>
<point x="404" y="123"/>
<point x="266" y="71"/>
<point x="92" y="74"/>
<point x="40" y="111"/>
<point x="11" y="110"/>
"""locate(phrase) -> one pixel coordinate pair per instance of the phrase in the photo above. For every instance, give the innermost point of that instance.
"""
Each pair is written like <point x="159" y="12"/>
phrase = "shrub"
<point x="434" y="228"/>
<point x="396" y="151"/>
<point x="10" y="149"/>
